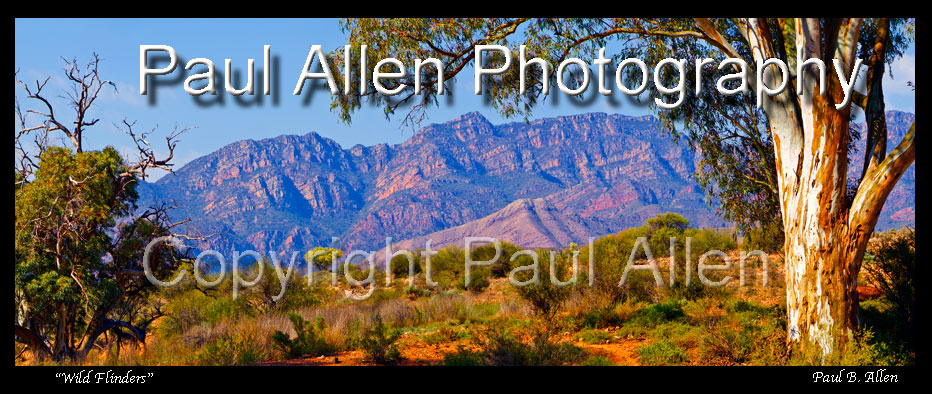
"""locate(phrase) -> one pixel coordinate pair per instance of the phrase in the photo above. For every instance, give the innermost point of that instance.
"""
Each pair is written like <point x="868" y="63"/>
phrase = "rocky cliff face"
<point x="601" y="173"/>
<point x="900" y="208"/>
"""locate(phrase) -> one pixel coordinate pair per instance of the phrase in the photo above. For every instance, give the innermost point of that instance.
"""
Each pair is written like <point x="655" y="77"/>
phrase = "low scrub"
<point x="310" y="339"/>
<point x="378" y="343"/>
<point x="662" y="352"/>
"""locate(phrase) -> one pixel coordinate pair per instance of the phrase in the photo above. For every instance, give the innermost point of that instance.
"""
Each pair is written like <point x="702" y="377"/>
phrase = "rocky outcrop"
<point x="555" y="178"/>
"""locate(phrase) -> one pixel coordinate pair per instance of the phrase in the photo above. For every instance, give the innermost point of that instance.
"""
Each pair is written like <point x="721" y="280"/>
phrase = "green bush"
<point x="890" y="266"/>
<point x="694" y="291"/>
<point x="865" y="350"/>
<point x="879" y="320"/>
<point x="446" y="334"/>
<point x="478" y="279"/>
<point x="310" y="338"/>
<point x="502" y="348"/>
<point x="504" y="265"/>
<point x="662" y="352"/>
<point x="449" y="271"/>
<point x="231" y="350"/>
<point x="598" y="361"/>
<point x="400" y="267"/>
<point x="463" y="357"/>
<point x="184" y="311"/>
<point x="378" y="343"/>
<point x="749" y="334"/>
<point x="595" y="336"/>
<point x="650" y="316"/>
<point x="769" y="238"/>
<point x="673" y="221"/>
<point x="226" y="308"/>
<point x="545" y="297"/>
<point x="659" y="241"/>
<point x="600" y="318"/>
<point x="704" y="240"/>
<point x="611" y="257"/>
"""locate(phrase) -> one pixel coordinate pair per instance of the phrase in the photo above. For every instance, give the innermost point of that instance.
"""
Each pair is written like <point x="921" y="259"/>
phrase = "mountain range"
<point x="544" y="183"/>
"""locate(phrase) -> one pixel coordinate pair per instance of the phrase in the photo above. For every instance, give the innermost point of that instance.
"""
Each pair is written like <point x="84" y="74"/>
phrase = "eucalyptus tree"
<point x="79" y="235"/>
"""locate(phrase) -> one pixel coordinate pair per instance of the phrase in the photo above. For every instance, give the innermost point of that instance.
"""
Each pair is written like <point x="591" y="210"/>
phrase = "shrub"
<point x="878" y="318"/>
<point x="504" y="265"/>
<point x="226" y="308"/>
<point x="546" y="352"/>
<point x="463" y="357"/>
<point x="478" y="279"/>
<point x="863" y="351"/>
<point x="595" y="336"/>
<point x="502" y="348"/>
<point x="400" y="266"/>
<point x="598" y="361"/>
<point x="310" y="338"/>
<point x="749" y="334"/>
<point x="669" y="220"/>
<point x="890" y="266"/>
<point x="768" y="238"/>
<point x="378" y="343"/>
<point x="668" y="310"/>
<point x="446" y="334"/>
<point x="600" y="318"/>
<point x="611" y="257"/>
<point x="184" y="311"/>
<point x="662" y="352"/>
<point x="231" y="350"/>
<point x="545" y="297"/>
<point x="659" y="241"/>
<point x="704" y="240"/>
<point x="694" y="291"/>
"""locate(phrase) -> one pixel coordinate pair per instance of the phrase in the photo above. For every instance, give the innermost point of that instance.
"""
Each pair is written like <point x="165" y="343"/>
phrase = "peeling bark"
<point x="826" y="235"/>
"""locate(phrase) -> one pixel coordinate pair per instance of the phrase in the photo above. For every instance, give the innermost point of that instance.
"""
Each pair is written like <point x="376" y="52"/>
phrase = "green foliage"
<point x="226" y="308"/>
<point x="400" y="267"/>
<point x="662" y="352"/>
<point x="694" y="291"/>
<point x="863" y="350"/>
<point x="652" y="315"/>
<point x="297" y="293"/>
<point x="595" y="336"/>
<point x="378" y="343"/>
<point x="669" y="220"/>
<point x="446" y="334"/>
<point x="704" y="240"/>
<point x="749" y="334"/>
<point x="231" y="350"/>
<point x="767" y="237"/>
<point x="502" y="348"/>
<point x="659" y="242"/>
<point x="879" y="329"/>
<point x="598" y="361"/>
<point x="890" y="266"/>
<point x="448" y="270"/>
<point x="310" y="339"/>
<point x="611" y="256"/>
<point x="75" y="240"/>
<point x="322" y="258"/>
<point x="545" y="296"/>
<point x="463" y="357"/>
<point x="600" y="318"/>
<point x="503" y="267"/>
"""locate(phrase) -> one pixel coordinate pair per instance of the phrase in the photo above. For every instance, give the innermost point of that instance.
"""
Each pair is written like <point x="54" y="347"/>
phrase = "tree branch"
<point x="877" y="184"/>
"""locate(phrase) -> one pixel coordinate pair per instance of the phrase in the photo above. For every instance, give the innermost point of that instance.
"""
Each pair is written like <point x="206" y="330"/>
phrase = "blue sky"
<point x="40" y="44"/>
